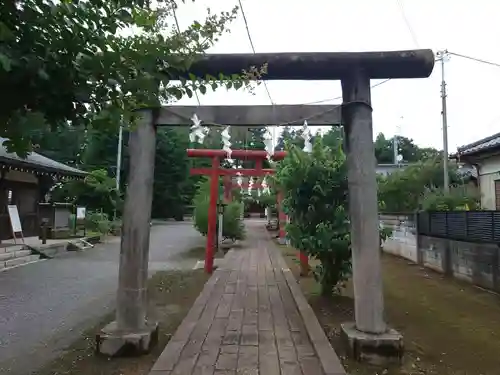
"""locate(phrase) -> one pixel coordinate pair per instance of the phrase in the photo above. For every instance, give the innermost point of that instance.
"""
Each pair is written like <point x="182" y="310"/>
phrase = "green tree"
<point x="315" y="188"/>
<point x="288" y="135"/>
<point x="459" y="198"/>
<point x="334" y="137"/>
<point x="65" y="144"/>
<point x="411" y="153"/>
<point x="77" y="61"/>
<point x="171" y="174"/>
<point x="232" y="225"/>
<point x="96" y="192"/>
<point x="403" y="190"/>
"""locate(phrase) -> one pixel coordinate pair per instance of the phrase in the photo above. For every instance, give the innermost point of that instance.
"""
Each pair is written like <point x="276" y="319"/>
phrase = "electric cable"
<point x="253" y="46"/>
<point x="407" y="22"/>
<point x="474" y="59"/>
<point x="179" y="32"/>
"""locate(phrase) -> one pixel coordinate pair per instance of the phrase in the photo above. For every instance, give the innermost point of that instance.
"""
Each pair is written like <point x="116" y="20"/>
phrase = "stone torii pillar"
<point x="131" y="333"/>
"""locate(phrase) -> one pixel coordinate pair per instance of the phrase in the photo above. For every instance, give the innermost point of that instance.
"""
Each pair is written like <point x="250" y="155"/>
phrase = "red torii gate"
<point x="215" y="171"/>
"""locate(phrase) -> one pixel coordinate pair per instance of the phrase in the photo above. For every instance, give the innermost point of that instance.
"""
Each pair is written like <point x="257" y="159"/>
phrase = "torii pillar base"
<point x="112" y="342"/>
<point x="376" y="349"/>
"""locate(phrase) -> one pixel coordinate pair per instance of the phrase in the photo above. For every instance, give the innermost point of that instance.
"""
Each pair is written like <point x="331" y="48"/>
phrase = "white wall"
<point x="403" y="241"/>
<point x="489" y="171"/>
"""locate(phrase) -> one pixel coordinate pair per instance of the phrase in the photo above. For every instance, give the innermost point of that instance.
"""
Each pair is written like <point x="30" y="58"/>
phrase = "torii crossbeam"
<point x="354" y="70"/>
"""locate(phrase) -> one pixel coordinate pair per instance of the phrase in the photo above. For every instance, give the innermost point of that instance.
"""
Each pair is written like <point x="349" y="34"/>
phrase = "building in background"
<point x="24" y="183"/>
<point x="482" y="158"/>
<point x="387" y="169"/>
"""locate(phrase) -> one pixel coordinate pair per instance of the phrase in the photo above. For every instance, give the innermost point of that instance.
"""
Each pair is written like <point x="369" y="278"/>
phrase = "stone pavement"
<point x="251" y="318"/>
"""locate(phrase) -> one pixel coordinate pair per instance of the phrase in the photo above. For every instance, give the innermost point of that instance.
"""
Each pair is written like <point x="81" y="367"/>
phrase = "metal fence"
<point x="470" y="226"/>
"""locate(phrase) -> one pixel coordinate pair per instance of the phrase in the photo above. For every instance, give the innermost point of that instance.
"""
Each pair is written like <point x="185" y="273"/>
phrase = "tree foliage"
<point x="95" y="62"/>
<point x="459" y="198"/>
<point x="232" y="228"/>
<point x="405" y="190"/>
<point x="315" y="199"/>
<point x="96" y="192"/>
<point x="411" y="153"/>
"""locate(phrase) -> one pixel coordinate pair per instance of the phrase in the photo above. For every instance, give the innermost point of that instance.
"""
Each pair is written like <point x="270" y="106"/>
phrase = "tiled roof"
<point x="37" y="160"/>
<point x="485" y="144"/>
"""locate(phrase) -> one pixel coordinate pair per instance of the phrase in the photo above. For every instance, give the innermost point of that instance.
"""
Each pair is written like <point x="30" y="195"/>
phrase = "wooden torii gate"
<point x="354" y="70"/>
<point x="217" y="155"/>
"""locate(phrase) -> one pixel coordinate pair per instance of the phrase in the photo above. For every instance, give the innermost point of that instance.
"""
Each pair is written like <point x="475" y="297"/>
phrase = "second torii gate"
<point x="214" y="173"/>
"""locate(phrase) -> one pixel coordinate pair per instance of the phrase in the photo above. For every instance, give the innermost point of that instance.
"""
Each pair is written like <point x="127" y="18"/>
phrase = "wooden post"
<point x="227" y="188"/>
<point x="212" y="216"/>
<point x="363" y="206"/>
<point x="281" y="218"/>
<point x="134" y="251"/>
<point x="304" y="264"/>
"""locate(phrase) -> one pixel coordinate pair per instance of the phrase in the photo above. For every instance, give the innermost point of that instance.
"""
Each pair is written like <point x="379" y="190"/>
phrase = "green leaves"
<point x="69" y="55"/>
<point x="5" y="62"/>
<point x="315" y="188"/>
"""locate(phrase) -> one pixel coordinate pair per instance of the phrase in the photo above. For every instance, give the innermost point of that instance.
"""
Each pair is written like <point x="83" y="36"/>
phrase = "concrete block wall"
<point x="473" y="262"/>
<point x="403" y="241"/>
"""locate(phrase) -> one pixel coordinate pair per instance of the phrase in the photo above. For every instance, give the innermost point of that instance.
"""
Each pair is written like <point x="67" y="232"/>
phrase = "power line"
<point x="474" y="59"/>
<point x="253" y="46"/>
<point x="408" y="24"/>
<point x="340" y="97"/>
<point x="179" y="32"/>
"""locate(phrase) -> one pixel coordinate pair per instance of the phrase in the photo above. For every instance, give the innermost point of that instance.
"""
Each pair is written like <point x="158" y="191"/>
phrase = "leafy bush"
<point x="315" y="199"/>
<point x="96" y="192"/>
<point x="98" y="222"/>
<point x="457" y="199"/>
<point x="232" y="225"/>
<point x="404" y="190"/>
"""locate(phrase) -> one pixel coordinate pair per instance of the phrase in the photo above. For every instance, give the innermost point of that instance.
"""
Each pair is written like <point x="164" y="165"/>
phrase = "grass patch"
<point x="449" y="327"/>
<point x="198" y="252"/>
<point x="171" y="295"/>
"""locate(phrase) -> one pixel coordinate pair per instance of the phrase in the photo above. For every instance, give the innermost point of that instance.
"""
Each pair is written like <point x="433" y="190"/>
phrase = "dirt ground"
<point x="449" y="327"/>
<point x="171" y="295"/>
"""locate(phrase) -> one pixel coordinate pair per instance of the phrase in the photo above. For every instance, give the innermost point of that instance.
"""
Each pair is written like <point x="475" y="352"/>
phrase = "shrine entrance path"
<point x="251" y="318"/>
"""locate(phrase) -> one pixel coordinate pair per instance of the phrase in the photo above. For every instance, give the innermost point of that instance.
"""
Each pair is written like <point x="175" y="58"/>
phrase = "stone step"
<point x="14" y="262"/>
<point x="14" y="254"/>
<point x="10" y="249"/>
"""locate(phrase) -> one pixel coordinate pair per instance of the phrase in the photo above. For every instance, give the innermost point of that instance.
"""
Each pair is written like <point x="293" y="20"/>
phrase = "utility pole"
<point x="442" y="56"/>
<point x="119" y="158"/>
<point x="395" y="149"/>
<point x="397" y="157"/>
<point x="119" y="162"/>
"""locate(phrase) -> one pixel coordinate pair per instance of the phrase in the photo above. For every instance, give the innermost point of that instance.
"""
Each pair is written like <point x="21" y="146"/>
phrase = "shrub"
<point x="457" y="199"/>
<point x="316" y="200"/>
<point x="98" y="222"/>
<point x="232" y="225"/>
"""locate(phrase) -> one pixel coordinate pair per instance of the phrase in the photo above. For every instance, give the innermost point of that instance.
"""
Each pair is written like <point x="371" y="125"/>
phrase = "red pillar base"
<point x="212" y="217"/>
<point x="304" y="264"/>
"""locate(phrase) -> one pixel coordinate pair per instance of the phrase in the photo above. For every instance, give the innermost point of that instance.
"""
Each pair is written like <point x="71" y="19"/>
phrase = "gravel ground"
<point x="45" y="306"/>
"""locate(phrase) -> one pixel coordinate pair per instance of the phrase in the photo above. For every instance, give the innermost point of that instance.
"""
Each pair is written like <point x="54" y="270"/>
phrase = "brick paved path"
<point x="246" y="321"/>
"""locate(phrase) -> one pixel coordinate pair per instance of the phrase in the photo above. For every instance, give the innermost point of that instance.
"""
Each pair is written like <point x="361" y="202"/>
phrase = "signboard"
<point x="15" y="222"/>
<point x="80" y="213"/>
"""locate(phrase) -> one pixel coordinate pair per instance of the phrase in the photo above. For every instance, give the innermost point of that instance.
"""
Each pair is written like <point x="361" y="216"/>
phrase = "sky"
<point x="407" y="107"/>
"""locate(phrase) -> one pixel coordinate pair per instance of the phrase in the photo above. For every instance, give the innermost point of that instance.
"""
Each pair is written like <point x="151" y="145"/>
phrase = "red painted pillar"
<point x="212" y="216"/>
<point x="227" y="188"/>
<point x="281" y="216"/>
<point x="304" y="263"/>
